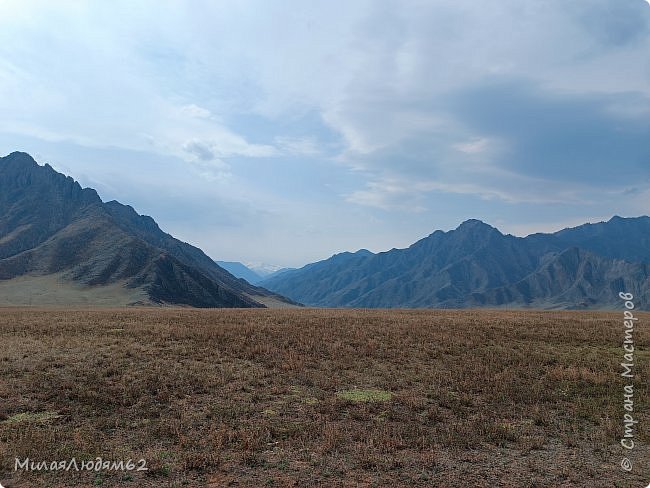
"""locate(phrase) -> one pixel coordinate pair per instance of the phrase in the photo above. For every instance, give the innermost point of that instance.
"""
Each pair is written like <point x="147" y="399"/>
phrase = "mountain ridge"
<point x="50" y="225"/>
<point x="477" y="265"/>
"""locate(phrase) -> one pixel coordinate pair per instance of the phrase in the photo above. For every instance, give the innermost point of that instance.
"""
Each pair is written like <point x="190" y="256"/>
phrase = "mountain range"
<point x="60" y="244"/>
<point x="253" y="273"/>
<point x="475" y="265"/>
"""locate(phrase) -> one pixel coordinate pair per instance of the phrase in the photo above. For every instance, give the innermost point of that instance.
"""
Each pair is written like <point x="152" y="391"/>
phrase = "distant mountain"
<point x="266" y="270"/>
<point x="253" y="273"/>
<point x="240" y="271"/>
<point x="573" y="279"/>
<point x="619" y="238"/>
<point x="59" y="242"/>
<point x="476" y="265"/>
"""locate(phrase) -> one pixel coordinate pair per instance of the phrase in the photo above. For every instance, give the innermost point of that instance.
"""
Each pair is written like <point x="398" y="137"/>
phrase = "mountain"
<point x="60" y="244"/>
<point x="253" y="273"/>
<point x="266" y="270"/>
<point x="476" y="265"/>
<point x="575" y="279"/>
<point x="618" y="238"/>
<point x="240" y="271"/>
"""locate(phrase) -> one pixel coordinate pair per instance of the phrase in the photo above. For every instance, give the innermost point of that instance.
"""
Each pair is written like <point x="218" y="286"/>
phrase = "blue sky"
<point x="283" y="132"/>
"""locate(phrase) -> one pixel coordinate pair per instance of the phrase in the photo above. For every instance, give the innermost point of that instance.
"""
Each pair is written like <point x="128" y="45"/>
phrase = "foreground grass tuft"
<point x="29" y="417"/>
<point x="365" y="395"/>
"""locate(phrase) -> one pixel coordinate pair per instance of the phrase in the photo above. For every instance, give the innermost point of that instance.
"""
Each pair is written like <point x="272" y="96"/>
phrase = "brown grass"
<point x="269" y="397"/>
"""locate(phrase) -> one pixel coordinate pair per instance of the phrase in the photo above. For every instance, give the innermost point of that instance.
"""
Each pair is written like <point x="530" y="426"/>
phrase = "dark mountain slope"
<point x="49" y="225"/>
<point x="36" y="202"/>
<point x="574" y="279"/>
<point x="146" y="229"/>
<point x="476" y="265"/>
<point x="618" y="238"/>
<point x="325" y="281"/>
<point x="442" y="267"/>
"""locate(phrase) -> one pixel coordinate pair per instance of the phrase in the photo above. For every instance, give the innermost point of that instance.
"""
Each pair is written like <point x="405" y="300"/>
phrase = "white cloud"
<point x="395" y="193"/>
<point x="196" y="111"/>
<point x="103" y="87"/>
<point x="479" y="145"/>
<point x="298" y="146"/>
<point x="387" y="195"/>
<point x="200" y="150"/>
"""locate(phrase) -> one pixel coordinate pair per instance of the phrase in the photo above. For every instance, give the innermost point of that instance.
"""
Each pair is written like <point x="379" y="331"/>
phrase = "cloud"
<point x="101" y="84"/>
<point x="515" y="142"/>
<point x="388" y="195"/>
<point x="475" y="146"/>
<point x="419" y="195"/>
<point x="580" y="138"/>
<point x="196" y="111"/>
<point x="613" y="24"/>
<point x="376" y="73"/>
<point x="199" y="149"/>
<point x="298" y="146"/>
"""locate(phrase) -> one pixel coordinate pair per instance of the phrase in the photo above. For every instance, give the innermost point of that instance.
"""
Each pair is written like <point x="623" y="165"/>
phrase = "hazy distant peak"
<point x="263" y="269"/>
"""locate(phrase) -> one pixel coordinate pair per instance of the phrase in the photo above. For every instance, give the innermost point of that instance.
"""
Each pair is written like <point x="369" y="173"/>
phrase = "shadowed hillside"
<point x="475" y="265"/>
<point x="49" y="225"/>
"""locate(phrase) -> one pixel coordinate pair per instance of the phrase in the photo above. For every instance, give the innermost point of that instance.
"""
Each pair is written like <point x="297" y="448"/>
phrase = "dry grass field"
<point x="310" y="398"/>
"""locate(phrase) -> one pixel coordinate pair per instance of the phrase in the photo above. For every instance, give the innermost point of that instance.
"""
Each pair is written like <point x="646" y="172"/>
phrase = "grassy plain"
<point x="340" y="398"/>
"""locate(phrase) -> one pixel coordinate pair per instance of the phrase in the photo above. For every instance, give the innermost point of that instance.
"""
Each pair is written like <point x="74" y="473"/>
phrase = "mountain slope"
<point x="49" y="225"/>
<point x="439" y="269"/>
<point x="476" y="265"/>
<point x="573" y="279"/>
<point x="618" y="238"/>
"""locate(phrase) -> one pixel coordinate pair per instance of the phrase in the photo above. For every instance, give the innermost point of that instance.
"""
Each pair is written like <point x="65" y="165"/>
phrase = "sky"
<point x="283" y="132"/>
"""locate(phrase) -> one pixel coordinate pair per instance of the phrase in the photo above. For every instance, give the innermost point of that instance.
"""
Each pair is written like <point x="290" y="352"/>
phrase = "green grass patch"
<point x="365" y="395"/>
<point x="32" y="417"/>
